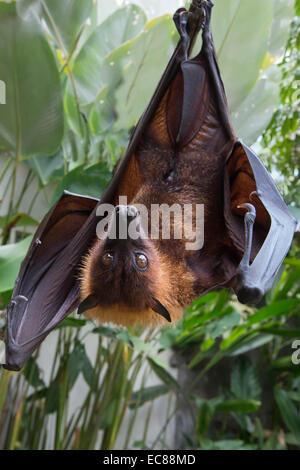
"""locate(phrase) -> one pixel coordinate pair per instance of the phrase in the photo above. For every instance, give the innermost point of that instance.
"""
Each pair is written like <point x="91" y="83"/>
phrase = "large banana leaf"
<point x="89" y="70"/>
<point x="149" y="56"/>
<point x="65" y="19"/>
<point x="31" y="121"/>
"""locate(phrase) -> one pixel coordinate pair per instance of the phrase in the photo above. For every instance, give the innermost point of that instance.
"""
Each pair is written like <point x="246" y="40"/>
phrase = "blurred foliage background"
<point x="78" y="76"/>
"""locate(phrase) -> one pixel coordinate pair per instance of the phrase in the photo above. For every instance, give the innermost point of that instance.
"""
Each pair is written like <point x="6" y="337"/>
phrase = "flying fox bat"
<point x="183" y="151"/>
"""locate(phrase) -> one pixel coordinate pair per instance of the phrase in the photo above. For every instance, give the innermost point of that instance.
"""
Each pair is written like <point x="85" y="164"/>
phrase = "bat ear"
<point x="87" y="304"/>
<point x="160" y="309"/>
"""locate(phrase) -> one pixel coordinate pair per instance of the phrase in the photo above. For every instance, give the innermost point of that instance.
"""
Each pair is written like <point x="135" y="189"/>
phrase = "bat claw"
<point x="254" y="194"/>
<point x="21" y="297"/>
<point x="250" y="216"/>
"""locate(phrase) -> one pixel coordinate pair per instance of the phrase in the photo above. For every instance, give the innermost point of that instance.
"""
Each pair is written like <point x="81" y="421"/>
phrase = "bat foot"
<point x="249" y="222"/>
<point x="247" y="293"/>
<point x="180" y="19"/>
<point x="250" y="295"/>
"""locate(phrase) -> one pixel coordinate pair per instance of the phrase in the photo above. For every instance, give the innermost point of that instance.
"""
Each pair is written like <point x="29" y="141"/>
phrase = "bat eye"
<point x="107" y="259"/>
<point x="141" y="261"/>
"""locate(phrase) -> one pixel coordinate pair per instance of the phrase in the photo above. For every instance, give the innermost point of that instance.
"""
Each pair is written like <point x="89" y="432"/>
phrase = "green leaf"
<point x="199" y="318"/>
<point x="228" y="444"/>
<point x="74" y="322"/>
<point x="234" y="336"/>
<point x="219" y="327"/>
<point x="47" y="168"/>
<point x="284" y="332"/>
<point x="107" y="331"/>
<point x="292" y="262"/>
<point x="249" y="343"/>
<point x="206" y="345"/>
<point x="168" y="337"/>
<point x="284" y="363"/>
<point x="91" y="181"/>
<point x="76" y="116"/>
<point x="11" y="257"/>
<point x="32" y="373"/>
<point x="149" y="56"/>
<point x="126" y="338"/>
<point x="79" y="362"/>
<point x="163" y="374"/>
<point x="89" y="72"/>
<point x="244" y="379"/>
<point x="201" y="301"/>
<point x="282" y="307"/>
<point x="241" y="31"/>
<point x="108" y="414"/>
<point x="242" y="406"/>
<point x="253" y="115"/>
<point x="31" y="121"/>
<point x="5" y="298"/>
<point x="145" y="395"/>
<point x="52" y="397"/>
<point x="65" y="19"/>
<point x="289" y="412"/>
<point x="140" y="345"/>
<point x="244" y="421"/>
<point x="206" y="410"/>
<point x="19" y="220"/>
<point x="102" y="114"/>
<point x="282" y="15"/>
<point x="25" y="8"/>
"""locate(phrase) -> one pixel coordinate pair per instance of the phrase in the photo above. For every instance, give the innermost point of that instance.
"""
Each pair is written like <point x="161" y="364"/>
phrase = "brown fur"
<point x="163" y="172"/>
<point x="159" y="281"/>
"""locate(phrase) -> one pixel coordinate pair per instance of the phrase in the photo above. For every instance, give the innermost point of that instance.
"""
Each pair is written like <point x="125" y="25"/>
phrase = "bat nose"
<point x="122" y="217"/>
<point x="126" y="212"/>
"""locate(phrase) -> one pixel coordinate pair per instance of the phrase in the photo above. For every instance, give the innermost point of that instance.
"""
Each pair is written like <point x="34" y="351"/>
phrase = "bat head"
<point x="124" y="279"/>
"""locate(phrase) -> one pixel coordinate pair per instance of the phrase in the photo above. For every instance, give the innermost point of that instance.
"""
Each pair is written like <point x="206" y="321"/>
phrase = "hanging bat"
<point x="183" y="152"/>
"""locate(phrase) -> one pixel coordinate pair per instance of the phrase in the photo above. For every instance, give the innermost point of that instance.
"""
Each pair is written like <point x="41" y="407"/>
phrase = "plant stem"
<point x="16" y="424"/>
<point x="6" y="166"/>
<point x="4" y="381"/>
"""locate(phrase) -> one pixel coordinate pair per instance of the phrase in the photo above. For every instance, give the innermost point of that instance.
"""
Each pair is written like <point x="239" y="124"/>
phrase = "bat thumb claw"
<point x="253" y="195"/>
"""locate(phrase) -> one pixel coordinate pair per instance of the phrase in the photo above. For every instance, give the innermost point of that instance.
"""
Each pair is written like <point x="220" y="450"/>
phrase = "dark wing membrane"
<point x="248" y="181"/>
<point x="46" y="290"/>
